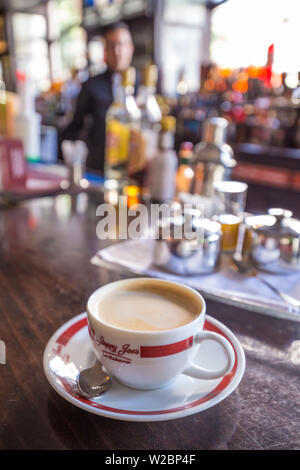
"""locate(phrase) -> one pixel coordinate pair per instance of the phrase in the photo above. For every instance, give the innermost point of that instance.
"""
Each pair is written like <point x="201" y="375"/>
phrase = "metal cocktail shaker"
<point x="213" y="158"/>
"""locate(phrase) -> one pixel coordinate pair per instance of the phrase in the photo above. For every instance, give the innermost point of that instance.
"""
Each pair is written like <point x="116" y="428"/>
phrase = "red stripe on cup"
<point x="166" y="349"/>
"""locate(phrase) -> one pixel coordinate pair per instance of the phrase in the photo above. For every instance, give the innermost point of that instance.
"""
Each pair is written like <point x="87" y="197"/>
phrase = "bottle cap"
<point x="168" y="123"/>
<point x="128" y="77"/>
<point x="214" y="131"/>
<point x="186" y="146"/>
<point x="150" y="75"/>
<point x="186" y="152"/>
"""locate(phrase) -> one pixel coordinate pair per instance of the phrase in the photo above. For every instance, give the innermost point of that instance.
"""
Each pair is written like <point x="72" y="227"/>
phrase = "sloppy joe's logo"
<point x="58" y="351"/>
<point x="117" y="353"/>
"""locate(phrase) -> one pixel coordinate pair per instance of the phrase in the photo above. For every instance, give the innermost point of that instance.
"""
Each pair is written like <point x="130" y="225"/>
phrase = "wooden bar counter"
<point x="45" y="280"/>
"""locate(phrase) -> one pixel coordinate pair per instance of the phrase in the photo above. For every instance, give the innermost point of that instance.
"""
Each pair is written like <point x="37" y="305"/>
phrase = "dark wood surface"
<point x="45" y="280"/>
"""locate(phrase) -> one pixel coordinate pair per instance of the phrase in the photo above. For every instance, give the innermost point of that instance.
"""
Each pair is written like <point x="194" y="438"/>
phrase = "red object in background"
<point x="18" y="177"/>
<point x="265" y="175"/>
<point x="270" y="55"/>
<point x="268" y="68"/>
<point x="13" y="164"/>
<point x="296" y="181"/>
<point x="20" y="75"/>
<point x="238" y="114"/>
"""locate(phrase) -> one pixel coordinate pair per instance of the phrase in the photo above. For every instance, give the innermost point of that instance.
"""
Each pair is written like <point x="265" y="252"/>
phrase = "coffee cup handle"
<point x="200" y="372"/>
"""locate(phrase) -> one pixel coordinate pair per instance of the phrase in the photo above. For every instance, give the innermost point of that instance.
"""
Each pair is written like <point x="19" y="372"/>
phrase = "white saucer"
<point x="69" y="351"/>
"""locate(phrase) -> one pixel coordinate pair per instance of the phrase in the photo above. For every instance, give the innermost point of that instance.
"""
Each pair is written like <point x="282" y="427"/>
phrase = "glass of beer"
<point x="230" y="202"/>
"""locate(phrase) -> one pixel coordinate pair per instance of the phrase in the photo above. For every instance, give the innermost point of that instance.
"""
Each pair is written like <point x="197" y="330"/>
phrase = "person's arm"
<point x="82" y="109"/>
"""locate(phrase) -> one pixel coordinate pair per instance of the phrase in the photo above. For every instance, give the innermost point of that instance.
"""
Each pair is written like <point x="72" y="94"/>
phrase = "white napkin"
<point x="136" y="256"/>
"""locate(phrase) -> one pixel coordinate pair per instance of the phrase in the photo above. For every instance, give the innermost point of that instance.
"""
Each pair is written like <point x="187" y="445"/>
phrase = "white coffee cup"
<point x="151" y="359"/>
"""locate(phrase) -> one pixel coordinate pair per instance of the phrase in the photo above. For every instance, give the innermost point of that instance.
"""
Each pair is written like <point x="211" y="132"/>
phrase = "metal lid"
<point x="213" y="147"/>
<point x="168" y="123"/>
<point x="150" y="75"/>
<point x="280" y="214"/>
<point x="277" y="223"/>
<point x="215" y="131"/>
<point x="128" y="77"/>
<point x="209" y="227"/>
<point x="181" y="226"/>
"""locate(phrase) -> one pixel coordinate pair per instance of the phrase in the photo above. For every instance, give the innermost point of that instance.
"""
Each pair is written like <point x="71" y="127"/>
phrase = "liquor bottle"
<point x="28" y="121"/>
<point x="185" y="172"/>
<point x="122" y="133"/>
<point x="150" y="124"/>
<point x="163" y="167"/>
<point x="146" y="99"/>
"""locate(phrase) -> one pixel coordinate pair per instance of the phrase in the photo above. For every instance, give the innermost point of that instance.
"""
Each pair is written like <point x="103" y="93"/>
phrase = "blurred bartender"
<point x="97" y="94"/>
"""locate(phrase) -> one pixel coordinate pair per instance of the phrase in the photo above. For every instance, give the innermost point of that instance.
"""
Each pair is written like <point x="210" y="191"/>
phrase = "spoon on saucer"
<point x="93" y="382"/>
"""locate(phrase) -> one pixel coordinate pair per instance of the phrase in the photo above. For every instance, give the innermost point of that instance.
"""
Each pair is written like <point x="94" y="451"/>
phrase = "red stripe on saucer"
<point x="166" y="349"/>
<point x="65" y="337"/>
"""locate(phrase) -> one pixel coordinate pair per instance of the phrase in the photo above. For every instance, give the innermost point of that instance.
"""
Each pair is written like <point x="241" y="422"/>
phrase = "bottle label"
<point x="143" y="148"/>
<point x="136" y="161"/>
<point x="117" y="142"/>
<point x="3" y="119"/>
<point x="162" y="175"/>
<point x="150" y="142"/>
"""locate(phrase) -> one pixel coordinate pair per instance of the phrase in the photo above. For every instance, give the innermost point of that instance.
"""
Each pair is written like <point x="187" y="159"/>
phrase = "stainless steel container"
<point x="213" y="158"/>
<point x="274" y="241"/>
<point x="188" y="245"/>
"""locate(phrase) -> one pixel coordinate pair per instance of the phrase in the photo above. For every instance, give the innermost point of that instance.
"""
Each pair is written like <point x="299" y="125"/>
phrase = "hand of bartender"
<point x="97" y="94"/>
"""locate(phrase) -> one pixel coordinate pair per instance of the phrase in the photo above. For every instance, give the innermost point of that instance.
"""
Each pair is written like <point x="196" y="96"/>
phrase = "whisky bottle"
<point x="163" y="167"/>
<point x="150" y="123"/>
<point x="122" y="133"/>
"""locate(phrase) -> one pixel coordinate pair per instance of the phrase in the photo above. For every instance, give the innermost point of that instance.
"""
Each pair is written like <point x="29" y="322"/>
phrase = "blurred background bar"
<point x="224" y="58"/>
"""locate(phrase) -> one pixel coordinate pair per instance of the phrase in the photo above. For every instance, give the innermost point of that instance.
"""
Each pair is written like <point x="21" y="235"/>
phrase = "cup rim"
<point x="231" y="186"/>
<point x="111" y="285"/>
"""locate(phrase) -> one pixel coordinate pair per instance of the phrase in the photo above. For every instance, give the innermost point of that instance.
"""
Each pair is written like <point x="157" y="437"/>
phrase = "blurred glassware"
<point x="75" y="154"/>
<point x="49" y="139"/>
<point x="122" y="144"/>
<point x="229" y="206"/>
<point x="296" y="95"/>
<point x="213" y="158"/>
<point x="230" y="197"/>
<point x="151" y="117"/>
<point x="162" y="170"/>
<point x="213" y="161"/>
<point x="275" y="241"/>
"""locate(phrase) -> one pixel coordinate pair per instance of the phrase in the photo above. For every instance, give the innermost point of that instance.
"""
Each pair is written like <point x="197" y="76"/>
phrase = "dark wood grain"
<point x="45" y="280"/>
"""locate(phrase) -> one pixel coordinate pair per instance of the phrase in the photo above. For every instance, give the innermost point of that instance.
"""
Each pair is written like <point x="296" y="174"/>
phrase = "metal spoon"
<point x="93" y="382"/>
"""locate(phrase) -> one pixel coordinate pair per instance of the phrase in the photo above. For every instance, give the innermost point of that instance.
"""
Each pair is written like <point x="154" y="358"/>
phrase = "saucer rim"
<point x="171" y="415"/>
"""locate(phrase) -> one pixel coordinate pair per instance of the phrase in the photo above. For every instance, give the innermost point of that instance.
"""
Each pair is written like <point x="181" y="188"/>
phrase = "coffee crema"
<point x="146" y="308"/>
